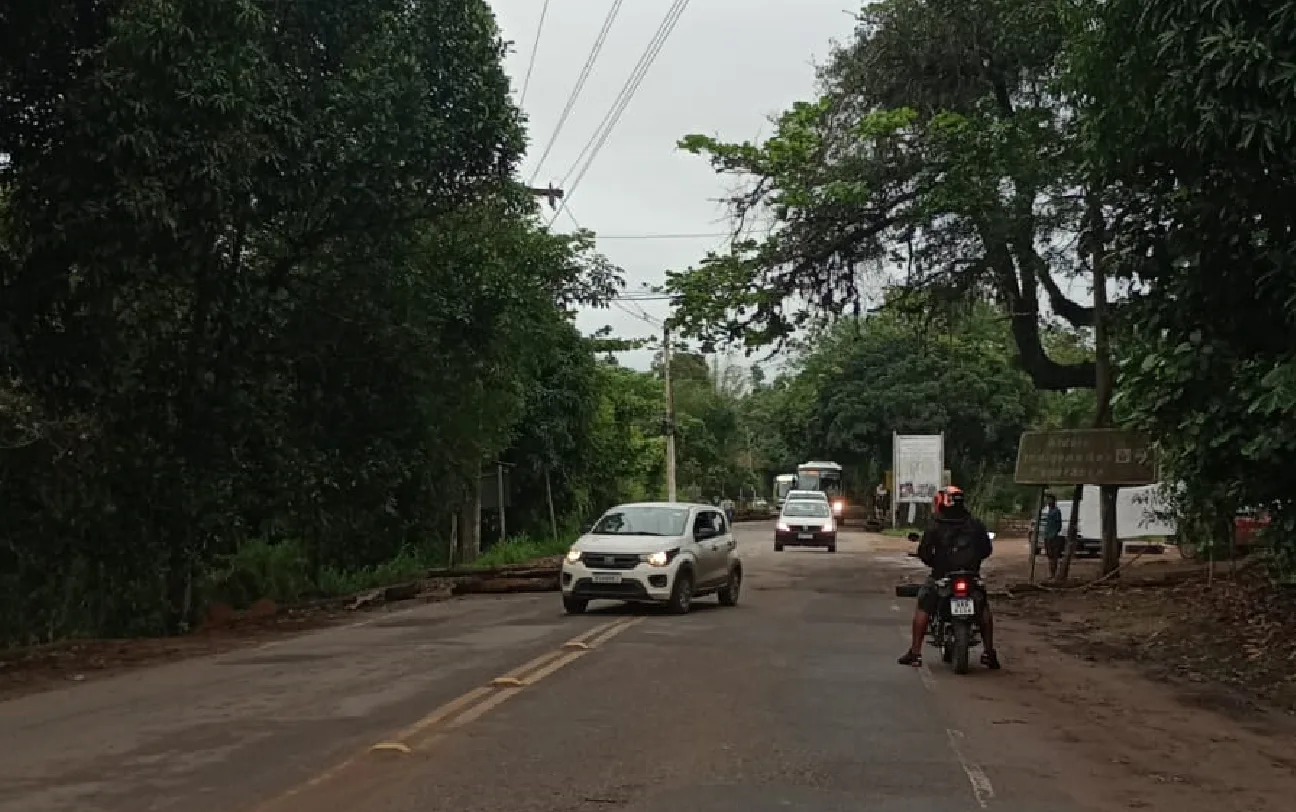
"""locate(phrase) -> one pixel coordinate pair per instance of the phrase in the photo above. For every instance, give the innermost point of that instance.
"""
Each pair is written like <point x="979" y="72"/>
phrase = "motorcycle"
<point x="955" y="628"/>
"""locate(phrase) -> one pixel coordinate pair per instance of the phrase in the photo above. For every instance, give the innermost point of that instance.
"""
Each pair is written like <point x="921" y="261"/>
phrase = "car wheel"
<point x="574" y="606"/>
<point x="729" y="592"/>
<point x="681" y="599"/>
<point x="778" y="548"/>
<point x="832" y="548"/>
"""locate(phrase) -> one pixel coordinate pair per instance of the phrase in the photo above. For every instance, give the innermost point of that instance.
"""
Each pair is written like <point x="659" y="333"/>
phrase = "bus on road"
<point x="783" y="484"/>
<point x="820" y="475"/>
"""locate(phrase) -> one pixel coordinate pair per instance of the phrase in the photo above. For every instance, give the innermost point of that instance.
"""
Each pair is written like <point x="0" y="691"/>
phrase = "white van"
<point x="1138" y="516"/>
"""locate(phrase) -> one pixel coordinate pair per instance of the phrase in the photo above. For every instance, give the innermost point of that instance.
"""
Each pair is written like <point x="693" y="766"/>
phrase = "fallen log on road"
<point x="500" y="586"/>
<point x="523" y="571"/>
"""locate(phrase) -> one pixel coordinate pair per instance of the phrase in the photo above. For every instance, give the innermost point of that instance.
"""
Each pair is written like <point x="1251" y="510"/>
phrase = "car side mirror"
<point x="915" y="538"/>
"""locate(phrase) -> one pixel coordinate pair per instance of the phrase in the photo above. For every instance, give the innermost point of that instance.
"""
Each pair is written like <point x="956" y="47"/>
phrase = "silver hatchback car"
<point x="654" y="552"/>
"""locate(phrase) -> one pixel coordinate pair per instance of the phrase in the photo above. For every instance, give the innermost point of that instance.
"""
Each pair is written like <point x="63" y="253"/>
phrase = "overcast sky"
<point x="727" y="66"/>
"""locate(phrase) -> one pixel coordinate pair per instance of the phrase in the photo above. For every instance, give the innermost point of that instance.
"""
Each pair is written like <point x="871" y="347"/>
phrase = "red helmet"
<point x="948" y="496"/>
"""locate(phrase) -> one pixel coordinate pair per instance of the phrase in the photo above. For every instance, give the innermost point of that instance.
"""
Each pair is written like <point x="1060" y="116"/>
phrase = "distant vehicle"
<point x="821" y="475"/>
<point x="782" y="484"/>
<point x="654" y="552"/>
<point x="805" y="523"/>
<point x="1138" y="516"/>
<point x="814" y="496"/>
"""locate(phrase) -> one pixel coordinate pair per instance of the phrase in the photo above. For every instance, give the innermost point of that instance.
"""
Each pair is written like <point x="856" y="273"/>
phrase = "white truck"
<point x="1140" y="514"/>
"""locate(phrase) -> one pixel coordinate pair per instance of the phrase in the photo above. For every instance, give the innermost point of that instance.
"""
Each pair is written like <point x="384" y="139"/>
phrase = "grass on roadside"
<point x="520" y="550"/>
<point x="900" y="532"/>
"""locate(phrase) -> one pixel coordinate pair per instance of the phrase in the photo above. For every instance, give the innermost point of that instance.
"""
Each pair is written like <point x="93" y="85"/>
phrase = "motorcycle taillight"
<point x="961" y="588"/>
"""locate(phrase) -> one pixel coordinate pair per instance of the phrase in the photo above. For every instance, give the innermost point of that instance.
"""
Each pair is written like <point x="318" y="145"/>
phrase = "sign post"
<point x="1085" y="456"/>
<point x="919" y="463"/>
<point x="1108" y="458"/>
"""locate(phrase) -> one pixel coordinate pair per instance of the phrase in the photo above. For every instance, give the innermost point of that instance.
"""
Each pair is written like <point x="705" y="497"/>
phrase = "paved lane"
<point x="791" y="700"/>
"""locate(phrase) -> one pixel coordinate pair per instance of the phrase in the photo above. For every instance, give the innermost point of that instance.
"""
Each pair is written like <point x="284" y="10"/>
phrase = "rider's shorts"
<point x="929" y="596"/>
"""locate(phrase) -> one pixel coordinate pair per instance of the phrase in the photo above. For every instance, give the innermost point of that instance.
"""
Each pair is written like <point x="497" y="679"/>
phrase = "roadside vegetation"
<point x="270" y="313"/>
<point x="1110" y="184"/>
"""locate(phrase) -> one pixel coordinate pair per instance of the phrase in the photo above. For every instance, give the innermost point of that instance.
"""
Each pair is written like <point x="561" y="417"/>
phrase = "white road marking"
<point x="981" y="786"/>
<point x="928" y="679"/>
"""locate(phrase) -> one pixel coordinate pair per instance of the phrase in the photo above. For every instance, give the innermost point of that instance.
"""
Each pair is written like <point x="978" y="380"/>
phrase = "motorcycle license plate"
<point x="805" y="536"/>
<point x="961" y="607"/>
<point x="607" y="577"/>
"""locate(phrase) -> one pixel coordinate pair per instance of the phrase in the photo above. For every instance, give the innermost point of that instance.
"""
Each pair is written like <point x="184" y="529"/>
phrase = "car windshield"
<point x="806" y="508"/>
<point x="642" y="520"/>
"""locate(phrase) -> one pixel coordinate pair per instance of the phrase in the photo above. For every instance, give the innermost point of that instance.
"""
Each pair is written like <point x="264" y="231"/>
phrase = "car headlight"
<point x="829" y="526"/>
<point x="659" y="559"/>
<point x="782" y="527"/>
<point x="838" y="507"/>
<point x="573" y="555"/>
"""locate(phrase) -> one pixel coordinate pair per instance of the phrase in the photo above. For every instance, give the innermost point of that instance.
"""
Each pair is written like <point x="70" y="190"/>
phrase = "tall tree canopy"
<point x="266" y="274"/>
<point x="940" y="155"/>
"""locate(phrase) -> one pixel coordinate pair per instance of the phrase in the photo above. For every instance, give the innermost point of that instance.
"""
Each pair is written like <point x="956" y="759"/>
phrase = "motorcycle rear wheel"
<point x="961" y="646"/>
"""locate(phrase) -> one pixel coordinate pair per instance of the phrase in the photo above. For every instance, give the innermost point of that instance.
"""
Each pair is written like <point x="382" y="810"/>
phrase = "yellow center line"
<point x="584" y="637"/>
<point x="566" y="659"/>
<point x="472" y="705"/>
<point x="448" y="709"/>
<point x="614" y="631"/>
<point x="482" y="708"/>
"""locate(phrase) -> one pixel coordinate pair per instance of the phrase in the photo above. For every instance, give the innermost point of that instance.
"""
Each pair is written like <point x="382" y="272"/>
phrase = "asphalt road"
<point x="790" y="701"/>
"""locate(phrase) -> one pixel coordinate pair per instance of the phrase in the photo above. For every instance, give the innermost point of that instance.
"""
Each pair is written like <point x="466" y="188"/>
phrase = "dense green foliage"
<point x="267" y="281"/>
<point x="273" y="298"/>
<point x="994" y="149"/>
<point x="866" y="378"/>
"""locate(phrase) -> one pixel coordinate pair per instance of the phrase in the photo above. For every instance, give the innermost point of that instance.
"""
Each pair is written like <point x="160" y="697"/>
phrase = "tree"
<point x="892" y="372"/>
<point x="1188" y="114"/>
<point x="940" y="149"/>
<point x="267" y="276"/>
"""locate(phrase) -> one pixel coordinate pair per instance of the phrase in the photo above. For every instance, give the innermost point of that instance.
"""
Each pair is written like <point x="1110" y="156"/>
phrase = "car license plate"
<point x="607" y="577"/>
<point x="805" y="536"/>
<point x="961" y="607"/>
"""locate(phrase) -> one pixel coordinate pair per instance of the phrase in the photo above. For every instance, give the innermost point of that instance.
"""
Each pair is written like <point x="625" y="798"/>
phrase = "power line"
<point x="631" y="86"/>
<point x="642" y="297"/>
<point x="682" y="236"/>
<point x="580" y="83"/>
<point x="637" y="313"/>
<point x="622" y="101"/>
<point x="535" y="49"/>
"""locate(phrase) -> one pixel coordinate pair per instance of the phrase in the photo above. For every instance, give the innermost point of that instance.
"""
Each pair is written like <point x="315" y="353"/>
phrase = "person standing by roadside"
<point x="1052" y="534"/>
<point x="727" y="505"/>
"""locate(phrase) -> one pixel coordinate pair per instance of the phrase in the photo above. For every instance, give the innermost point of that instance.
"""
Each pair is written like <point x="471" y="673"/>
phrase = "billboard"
<point x="919" y="463"/>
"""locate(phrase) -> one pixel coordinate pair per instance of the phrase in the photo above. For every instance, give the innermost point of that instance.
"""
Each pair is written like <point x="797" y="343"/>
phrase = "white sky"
<point x="726" y="68"/>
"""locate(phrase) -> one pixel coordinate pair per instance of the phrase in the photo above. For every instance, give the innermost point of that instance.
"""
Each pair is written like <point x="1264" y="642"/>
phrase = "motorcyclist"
<point x="950" y="517"/>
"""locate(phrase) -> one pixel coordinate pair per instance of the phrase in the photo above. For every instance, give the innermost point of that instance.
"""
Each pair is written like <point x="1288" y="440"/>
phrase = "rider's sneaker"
<point x="912" y="659"/>
<point x="990" y="659"/>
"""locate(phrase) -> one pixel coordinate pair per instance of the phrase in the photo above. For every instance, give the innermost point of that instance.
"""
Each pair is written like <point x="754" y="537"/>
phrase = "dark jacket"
<point x="934" y="545"/>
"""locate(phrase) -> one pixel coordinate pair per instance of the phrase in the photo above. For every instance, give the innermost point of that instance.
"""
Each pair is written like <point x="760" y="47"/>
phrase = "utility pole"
<point x="670" y="414"/>
<point x="550" y="193"/>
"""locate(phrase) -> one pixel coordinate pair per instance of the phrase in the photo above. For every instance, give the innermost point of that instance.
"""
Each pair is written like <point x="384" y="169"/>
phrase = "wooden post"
<point x="1073" y="531"/>
<point x="1035" y="535"/>
<point x="470" y="525"/>
<point x="553" y="520"/>
<point x="1112" y="546"/>
<point x="499" y="480"/>
<point x="454" y="540"/>
<point x="670" y="414"/>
